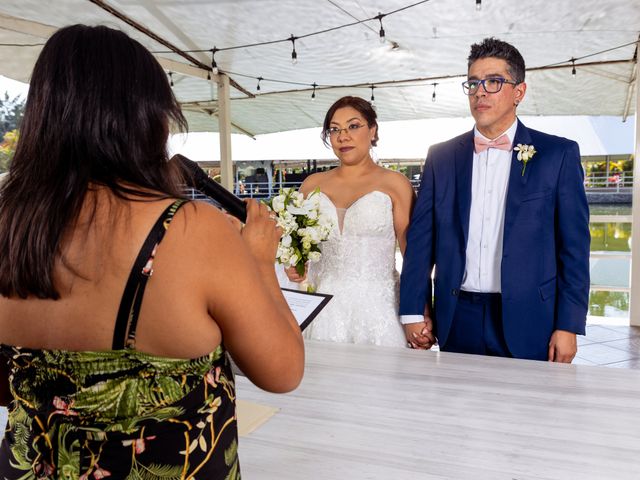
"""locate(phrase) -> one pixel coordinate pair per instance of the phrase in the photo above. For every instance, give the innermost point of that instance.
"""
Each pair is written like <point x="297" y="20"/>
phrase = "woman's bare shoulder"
<point x="396" y="181"/>
<point x="199" y="219"/>
<point x="315" y="180"/>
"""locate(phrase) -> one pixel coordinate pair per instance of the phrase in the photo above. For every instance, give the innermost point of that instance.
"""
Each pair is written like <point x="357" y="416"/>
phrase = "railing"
<point x="613" y="182"/>
<point x="262" y="189"/>
<point x="595" y="182"/>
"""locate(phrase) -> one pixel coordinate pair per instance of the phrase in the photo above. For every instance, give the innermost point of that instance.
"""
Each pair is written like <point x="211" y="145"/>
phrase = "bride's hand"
<point x="420" y="334"/>
<point x="294" y="276"/>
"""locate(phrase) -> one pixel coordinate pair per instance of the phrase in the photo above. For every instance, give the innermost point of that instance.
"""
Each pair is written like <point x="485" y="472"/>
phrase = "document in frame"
<point x="305" y="306"/>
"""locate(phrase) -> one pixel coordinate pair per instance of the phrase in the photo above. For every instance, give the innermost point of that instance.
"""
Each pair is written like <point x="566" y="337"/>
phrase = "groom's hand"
<point x="563" y="346"/>
<point x="420" y="335"/>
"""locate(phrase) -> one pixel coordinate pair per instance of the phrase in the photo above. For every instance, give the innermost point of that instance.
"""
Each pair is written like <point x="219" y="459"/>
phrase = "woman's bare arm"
<point x="245" y="300"/>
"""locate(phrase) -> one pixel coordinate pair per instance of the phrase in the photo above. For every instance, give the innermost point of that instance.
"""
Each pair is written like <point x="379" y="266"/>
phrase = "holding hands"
<point x="420" y="335"/>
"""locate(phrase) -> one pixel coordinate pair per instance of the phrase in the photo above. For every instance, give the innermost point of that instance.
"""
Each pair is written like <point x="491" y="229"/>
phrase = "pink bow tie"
<point x="501" y="143"/>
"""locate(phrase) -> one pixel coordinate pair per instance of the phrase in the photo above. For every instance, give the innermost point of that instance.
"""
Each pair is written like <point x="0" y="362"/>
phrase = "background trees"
<point x="11" y="112"/>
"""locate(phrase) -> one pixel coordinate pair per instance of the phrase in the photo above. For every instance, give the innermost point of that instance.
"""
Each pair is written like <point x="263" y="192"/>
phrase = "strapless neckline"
<point x="341" y="212"/>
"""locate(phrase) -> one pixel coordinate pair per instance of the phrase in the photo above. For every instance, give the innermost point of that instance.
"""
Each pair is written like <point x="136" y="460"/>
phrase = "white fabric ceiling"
<point x="433" y="40"/>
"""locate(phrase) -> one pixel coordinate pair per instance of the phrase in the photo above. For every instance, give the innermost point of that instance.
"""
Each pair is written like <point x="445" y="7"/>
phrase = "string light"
<point x="171" y="79"/>
<point x="313" y="94"/>
<point x="294" y="54"/>
<point x="478" y="5"/>
<point x="208" y="75"/>
<point x="572" y="61"/>
<point x="258" y="86"/>
<point x="373" y="98"/>
<point x="380" y="16"/>
<point x="433" y="96"/>
<point x="319" y="32"/>
<point x="214" y="65"/>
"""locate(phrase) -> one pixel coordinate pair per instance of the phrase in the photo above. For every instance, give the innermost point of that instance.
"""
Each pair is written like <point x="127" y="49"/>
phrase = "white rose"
<point x="298" y="199"/>
<point x="314" y="234"/>
<point x="278" y="203"/>
<point x="311" y="203"/>
<point x="286" y="241"/>
<point x="314" y="256"/>
<point x="306" y="246"/>
<point x="297" y="210"/>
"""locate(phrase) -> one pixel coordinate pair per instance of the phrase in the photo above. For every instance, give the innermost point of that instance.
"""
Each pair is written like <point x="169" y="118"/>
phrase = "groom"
<point x="503" y="216"/>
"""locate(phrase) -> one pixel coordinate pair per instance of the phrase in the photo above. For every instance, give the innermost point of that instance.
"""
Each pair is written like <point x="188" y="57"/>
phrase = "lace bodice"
<point x="364" y="249"/>
<point x="358" y="268"/>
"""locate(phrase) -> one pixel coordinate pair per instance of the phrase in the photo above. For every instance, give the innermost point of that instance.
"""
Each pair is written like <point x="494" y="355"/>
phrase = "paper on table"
<point x="305" y="306"/>
<point x="251" y="416"/>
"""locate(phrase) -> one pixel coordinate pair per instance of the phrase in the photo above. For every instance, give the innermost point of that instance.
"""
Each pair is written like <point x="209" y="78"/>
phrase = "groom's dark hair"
<point x="492" y="47"/>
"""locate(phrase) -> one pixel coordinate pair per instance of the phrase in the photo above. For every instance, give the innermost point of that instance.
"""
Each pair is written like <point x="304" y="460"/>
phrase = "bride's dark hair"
<point x="98" y="112"/>
<point x="361" y="105"/>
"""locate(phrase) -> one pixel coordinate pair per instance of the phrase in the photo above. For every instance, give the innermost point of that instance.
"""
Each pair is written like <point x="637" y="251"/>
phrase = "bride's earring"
<point x="373" y="154"/>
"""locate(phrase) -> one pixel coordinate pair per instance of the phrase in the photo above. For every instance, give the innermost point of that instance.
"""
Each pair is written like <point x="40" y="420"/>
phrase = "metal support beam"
<point x="634" y="300"/>
<point x="185" y="69"/>
<point x="28" y="27"/>
<point x="632" y="86"/>
<point x="224" y="126"/>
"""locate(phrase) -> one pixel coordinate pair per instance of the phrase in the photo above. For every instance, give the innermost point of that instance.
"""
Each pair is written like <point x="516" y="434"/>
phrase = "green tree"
<point x="11" y="112"/>
<point x="7" y="149"/>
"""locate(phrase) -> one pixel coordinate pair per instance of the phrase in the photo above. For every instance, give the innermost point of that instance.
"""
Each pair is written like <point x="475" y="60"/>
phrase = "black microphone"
<point x="199" y="180"/>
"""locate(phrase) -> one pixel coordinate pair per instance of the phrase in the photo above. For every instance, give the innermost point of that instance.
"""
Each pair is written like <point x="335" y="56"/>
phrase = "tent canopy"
<point x="425" y="52"/>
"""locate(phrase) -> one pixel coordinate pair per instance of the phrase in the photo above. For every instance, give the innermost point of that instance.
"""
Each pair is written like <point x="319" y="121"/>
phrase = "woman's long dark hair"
<point x="98" y="112"/>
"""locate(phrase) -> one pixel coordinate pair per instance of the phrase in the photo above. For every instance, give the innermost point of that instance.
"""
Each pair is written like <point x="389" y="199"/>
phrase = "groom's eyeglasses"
<point x="490" y="85"/>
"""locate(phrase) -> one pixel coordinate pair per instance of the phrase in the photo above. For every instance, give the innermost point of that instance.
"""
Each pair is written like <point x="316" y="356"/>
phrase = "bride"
<point x="370" y="207"/>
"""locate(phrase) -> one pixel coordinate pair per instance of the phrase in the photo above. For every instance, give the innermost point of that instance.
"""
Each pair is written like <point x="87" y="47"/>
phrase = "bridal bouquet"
<point x="304" y="227"/>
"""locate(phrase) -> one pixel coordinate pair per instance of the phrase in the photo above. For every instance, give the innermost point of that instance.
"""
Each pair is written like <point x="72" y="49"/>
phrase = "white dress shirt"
<point x="489" y="182"/>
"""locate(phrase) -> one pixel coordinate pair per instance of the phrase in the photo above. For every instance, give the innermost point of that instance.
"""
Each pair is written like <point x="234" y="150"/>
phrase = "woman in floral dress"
<point x="120" y="301"/>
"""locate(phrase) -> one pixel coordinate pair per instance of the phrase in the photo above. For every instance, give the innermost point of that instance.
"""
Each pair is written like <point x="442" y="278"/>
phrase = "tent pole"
<point x="224" y="123"/>
<point x="634" y="294"/>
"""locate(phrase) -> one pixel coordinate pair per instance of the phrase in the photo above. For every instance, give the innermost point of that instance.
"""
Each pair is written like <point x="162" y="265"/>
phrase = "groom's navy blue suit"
<point x="545" y="259"/>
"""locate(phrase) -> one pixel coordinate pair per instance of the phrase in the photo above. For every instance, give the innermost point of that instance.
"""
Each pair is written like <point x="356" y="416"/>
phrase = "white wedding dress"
<point x="358" y="268"/>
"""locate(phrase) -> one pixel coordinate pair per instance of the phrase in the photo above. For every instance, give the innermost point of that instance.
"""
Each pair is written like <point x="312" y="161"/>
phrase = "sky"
<point x="13" y="87"/>
<point x="398" y="140"/>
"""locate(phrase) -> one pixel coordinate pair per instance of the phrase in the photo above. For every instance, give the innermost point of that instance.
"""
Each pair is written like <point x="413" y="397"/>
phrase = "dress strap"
<point x="124" y="334"/>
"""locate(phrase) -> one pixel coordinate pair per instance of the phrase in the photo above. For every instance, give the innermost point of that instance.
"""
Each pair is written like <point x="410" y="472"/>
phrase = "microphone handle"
<point x="201" y="181"/>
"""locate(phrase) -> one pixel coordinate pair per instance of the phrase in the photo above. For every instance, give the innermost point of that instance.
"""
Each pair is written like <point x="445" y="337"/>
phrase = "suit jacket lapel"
<point x="464" y="170"/>
<point x="517" y="181"/>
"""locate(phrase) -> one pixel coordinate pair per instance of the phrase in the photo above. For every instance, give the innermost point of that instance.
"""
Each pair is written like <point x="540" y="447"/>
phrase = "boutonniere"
<point x="525" y="153"/>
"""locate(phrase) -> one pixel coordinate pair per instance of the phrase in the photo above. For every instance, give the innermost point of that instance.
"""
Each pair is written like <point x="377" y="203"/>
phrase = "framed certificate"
<point x="305" y="306"/>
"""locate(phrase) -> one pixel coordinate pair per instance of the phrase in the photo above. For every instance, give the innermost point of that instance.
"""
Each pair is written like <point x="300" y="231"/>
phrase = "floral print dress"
<point x="122" y="413"/>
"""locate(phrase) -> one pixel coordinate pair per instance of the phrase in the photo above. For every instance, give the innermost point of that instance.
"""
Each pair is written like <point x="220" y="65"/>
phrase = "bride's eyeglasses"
<point x="334" y="132"/>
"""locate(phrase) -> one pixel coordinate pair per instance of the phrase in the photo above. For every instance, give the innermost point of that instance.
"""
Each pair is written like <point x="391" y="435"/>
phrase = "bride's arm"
<point x="403" y="199"/>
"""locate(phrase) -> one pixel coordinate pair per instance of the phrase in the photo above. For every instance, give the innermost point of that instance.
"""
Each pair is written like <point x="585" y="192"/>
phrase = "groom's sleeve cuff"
<point x="406" y="319"/>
